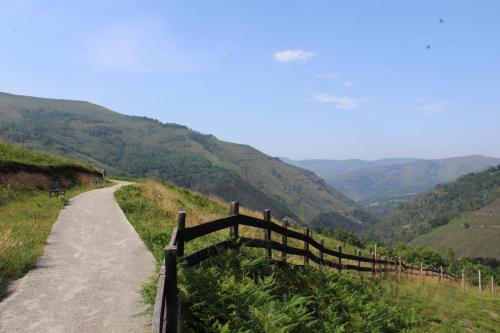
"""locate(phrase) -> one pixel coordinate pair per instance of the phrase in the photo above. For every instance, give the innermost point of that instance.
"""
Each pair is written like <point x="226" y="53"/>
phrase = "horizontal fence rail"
<point x="166" y="315"/>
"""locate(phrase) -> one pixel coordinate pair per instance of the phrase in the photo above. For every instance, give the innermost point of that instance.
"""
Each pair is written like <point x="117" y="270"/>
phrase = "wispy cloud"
<point x="293" y="55"/>
<point x="346" y="103"/>
<point x="142" y="46"/>
<point x="328" y="75"/>
<point x="436" y="107"/>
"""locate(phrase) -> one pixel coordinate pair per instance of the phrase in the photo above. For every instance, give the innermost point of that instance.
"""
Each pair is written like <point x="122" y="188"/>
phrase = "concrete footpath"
<point x="89" y="275"/>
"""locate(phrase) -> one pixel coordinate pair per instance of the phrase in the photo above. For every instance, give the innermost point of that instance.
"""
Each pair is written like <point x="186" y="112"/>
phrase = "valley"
<point x="249" y="166"/>
<point x="381" y="184"/>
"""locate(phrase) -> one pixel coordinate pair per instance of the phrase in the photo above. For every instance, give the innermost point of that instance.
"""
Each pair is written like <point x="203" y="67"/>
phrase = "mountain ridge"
<point x="380" y="188"/>
<point x="144" y="147"/>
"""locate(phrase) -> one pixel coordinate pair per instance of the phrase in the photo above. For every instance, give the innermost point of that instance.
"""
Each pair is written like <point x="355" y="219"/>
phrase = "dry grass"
<point x="434" y="306"/>
<point x="200" y="209"/>
<point x="26" y="219"/>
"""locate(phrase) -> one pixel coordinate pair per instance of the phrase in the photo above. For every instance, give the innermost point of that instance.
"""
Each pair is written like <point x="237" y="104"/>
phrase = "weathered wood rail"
<point x="166" y="316"/>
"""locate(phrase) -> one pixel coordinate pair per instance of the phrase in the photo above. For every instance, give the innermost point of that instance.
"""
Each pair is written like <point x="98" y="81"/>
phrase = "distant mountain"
<point x="382" y="184"/>
<point x="400" y="181"/>
<point x="143" y="147"/>
<point x="463" y="215"/>
<point x="331" y="168"/>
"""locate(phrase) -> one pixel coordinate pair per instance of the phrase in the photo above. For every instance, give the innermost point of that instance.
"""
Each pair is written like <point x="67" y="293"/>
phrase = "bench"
<point x="56" y="190"/>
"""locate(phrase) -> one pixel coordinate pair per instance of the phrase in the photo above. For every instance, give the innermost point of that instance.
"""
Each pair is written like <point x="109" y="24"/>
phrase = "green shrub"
<point x="241" y="291"/>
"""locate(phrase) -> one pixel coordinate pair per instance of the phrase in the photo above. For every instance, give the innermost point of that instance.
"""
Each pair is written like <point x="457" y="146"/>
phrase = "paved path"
<point x="88" y="277"/>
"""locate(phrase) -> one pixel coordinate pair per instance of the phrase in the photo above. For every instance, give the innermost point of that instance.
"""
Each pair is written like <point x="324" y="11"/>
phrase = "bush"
<point x="241" y="291"/>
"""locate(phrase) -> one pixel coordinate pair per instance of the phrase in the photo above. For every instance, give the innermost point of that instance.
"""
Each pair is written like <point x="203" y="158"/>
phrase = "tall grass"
<point x="26" y="218"/>
<point x="241" y="291"/>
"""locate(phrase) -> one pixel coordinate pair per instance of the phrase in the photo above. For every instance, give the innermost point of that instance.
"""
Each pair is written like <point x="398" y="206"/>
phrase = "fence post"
<point x="373" y="264"/>
<point x="400" y="268"/>
<point x="267" y="233"/>
<point x="322" y="242"/>
<point x="492" y="285"/>
<point x="284" y="239"/>
<point x="359" y="261"/>
<point x="306" y="246"/>
<point x="440" y="273"/>
<point x="386" y="267"/>
<point x="480" y="286"/>
<point x="181" y="226"/>
<point x="171" y="295"/>
<point x="234" y="209"/>
<point x="463" y="280"/>
<point x="340" y="258"/>
<point x="421" y="271"/>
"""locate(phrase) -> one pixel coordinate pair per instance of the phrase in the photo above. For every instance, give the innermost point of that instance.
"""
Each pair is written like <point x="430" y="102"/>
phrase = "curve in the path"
<point x="88" y="277"/>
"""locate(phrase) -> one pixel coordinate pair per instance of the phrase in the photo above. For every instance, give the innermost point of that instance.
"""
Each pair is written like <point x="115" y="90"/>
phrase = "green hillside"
<point x="142" y="147"/>
<point x="242" y="291"/>
<point x="472" y="235"/>
<point x="381" y="188"/>
<point x="445" y="205"/>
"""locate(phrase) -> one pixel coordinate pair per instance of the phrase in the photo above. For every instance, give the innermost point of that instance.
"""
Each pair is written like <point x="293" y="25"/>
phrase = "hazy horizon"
<point x="322" y="80"/>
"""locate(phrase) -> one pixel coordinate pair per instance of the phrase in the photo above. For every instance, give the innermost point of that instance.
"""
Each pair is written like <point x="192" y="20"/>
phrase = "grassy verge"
<point x="26" y="218"/>
<point x="446" y="308"/>
<point x="11" y="154"/>
<point x="240" y="291"/>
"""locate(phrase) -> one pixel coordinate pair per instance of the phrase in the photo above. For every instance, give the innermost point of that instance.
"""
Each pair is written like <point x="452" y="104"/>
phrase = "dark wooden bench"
<point x="56" y="189"/>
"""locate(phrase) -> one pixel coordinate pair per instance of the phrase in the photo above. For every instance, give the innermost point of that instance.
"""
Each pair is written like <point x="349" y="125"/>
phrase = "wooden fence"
<point x="166" y="316"/>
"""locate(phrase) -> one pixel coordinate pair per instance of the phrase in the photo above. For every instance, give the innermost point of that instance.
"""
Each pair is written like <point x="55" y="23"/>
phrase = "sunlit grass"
<point x="15" y="154"/>
<point x="153" y="206"/>
<point x="26" y="219"/>
<point x="445" y="307"/>
<point x="425" y="305"/>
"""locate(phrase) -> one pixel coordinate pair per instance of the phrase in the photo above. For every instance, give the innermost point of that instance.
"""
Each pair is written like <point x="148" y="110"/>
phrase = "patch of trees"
<point x="440" y="205"/>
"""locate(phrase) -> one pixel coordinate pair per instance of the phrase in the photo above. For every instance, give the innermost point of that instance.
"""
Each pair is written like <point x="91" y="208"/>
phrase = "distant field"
<point x="480" y="239"/>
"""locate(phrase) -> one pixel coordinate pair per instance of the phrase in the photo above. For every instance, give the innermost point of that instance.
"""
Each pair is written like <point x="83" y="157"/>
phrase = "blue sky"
<point x="302" y="79"/>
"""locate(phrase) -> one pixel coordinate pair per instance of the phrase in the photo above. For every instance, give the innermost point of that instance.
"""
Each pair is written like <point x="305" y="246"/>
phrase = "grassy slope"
<point x="141" y="147"/>
<point x="480" y="239"/>
<point x="446" y="308"/>
<point x="26" y="217"/>
<point x="239" y="291"/>
<point x="440" y="205"/>
<point x="10" y="154"/>
<point x="152" y="208"/>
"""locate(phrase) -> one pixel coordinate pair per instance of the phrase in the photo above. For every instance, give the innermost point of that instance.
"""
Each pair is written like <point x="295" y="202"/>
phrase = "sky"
<point x="299" y="79"/>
